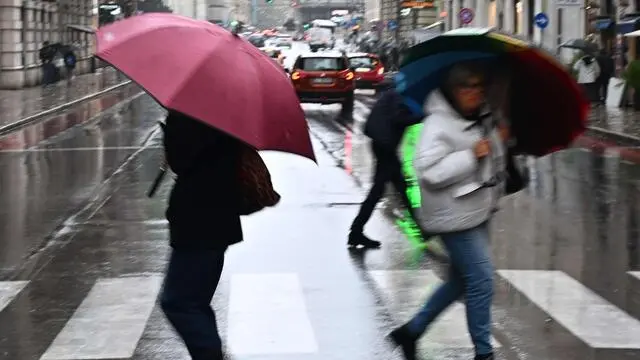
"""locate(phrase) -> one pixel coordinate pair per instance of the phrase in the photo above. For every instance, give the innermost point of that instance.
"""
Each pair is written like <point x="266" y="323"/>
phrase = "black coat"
<point x="607" y="67"/>
<point x="388" y="120"/>
<point x="202" y="209"/>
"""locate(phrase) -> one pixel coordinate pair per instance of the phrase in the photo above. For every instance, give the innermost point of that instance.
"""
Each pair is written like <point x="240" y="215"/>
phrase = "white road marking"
<point x="9" y="290"/>
<point x="109" y="322"/>
<point x="635" y="274"/>
<point x="268" y="315"/>
<point x="406" y="292"/>
<point x="584" y="313"/>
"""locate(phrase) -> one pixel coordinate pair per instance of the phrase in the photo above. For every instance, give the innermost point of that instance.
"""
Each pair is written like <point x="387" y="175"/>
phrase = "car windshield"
<point x="322" y="64"/>
<point x="362" y="62"/>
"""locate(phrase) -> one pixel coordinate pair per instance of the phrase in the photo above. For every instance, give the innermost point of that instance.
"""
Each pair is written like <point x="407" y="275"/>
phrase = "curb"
<point x="614" y="134"/>
<point x="43" y="114"/>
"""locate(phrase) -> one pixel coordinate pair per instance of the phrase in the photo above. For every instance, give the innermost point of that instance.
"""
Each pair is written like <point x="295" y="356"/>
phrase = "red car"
<point x="369" y="70"/>
<point x="323" y="78"/>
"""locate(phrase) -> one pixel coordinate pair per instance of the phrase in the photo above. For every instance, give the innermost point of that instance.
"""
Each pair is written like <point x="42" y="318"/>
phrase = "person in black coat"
<point x="46" y="54"/>
<point x="387" y="122"/>
<point x="203" y="222"/>
<point x="607" y="70"/>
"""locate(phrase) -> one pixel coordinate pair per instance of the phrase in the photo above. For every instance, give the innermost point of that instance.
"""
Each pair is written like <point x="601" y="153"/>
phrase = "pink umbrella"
<point x="204" y="71"/>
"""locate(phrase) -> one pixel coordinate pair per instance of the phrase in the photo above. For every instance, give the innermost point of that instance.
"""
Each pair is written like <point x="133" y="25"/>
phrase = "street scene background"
<point x="82" y="249"/>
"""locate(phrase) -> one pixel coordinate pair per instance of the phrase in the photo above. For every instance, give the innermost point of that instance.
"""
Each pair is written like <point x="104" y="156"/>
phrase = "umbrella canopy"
<point x="202" y="70"/>
<point x="581" y="44"/>
<point x="547" y="109"/>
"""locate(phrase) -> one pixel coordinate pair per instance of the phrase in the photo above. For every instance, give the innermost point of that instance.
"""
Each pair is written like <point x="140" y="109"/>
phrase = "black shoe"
<point x="206" y="354"/>
<point x="356" y="239"/>
<point x="484" y="357"/>
<point x="403" y="338"/>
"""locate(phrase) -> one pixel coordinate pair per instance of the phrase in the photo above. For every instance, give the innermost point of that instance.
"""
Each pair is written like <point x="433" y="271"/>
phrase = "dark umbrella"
<point x="547" y="108"/>
<point x="581" y="44"/>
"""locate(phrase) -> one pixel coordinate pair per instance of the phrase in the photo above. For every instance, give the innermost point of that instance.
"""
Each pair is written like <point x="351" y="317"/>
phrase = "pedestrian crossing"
<point x="584" y="313"/>
<point x="9" y="290"/>
<point x="449" y="331"/>
<point x="109" y="321"/>
<point x="269" y="313"/>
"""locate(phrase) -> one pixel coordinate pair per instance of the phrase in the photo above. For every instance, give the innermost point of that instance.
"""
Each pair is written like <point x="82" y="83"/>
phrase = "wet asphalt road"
<point x="82" y="251"/>
<point x="291" y="290"/>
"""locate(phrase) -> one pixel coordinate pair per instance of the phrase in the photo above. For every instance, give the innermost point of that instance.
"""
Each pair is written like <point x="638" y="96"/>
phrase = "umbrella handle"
<point x="156" y="183"/>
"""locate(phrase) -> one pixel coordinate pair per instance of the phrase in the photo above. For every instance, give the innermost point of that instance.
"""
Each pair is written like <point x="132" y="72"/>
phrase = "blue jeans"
<point x="191" y="280"/>
<point x="471" y="277"/>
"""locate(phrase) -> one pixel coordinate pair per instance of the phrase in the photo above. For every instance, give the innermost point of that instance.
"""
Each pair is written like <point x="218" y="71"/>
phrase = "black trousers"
<point x="603" y="87"/>
<point x="190" y="282"/>
<point x="388" y="169"/>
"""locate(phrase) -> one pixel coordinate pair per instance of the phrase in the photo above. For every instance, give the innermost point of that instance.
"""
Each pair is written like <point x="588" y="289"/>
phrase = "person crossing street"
<point x="386" y="125"/>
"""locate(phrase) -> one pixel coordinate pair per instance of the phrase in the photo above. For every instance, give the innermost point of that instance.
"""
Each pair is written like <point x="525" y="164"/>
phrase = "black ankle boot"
<point x="358" y="238"/>
<point x="406" y="340"/>
<point x="484" y="357"/>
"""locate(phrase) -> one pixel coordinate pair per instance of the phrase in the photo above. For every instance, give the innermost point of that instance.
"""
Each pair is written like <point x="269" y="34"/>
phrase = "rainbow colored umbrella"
<point x="546" y="108"/>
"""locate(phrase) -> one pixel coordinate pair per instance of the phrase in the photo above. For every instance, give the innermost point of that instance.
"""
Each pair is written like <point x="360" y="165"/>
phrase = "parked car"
<point x="275" y="54"/>
<point x="283" y="41"/>
<point x="323" y="78"/>
<point x="368" y="69"/>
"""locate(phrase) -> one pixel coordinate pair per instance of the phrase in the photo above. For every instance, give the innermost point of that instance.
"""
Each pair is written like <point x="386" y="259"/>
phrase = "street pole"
<point x="254" y="12"/>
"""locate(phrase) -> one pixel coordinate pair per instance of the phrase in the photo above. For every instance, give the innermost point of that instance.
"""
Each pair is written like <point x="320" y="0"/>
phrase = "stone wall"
<point x="26" y="24"/>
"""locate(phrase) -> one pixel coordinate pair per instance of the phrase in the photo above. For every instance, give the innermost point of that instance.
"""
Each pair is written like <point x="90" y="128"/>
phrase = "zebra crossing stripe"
<point x="9" y="290"/>
<point x="635" y="274"/>
<point x="405" y="292"/>
<point x="587" y="315"/>
<point x="268" y="315"/>
<point x="109" y="322"/>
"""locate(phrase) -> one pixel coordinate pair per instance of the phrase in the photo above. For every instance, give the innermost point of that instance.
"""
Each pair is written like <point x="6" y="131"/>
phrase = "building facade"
<point x="26" y="24"/>
<point x="275" y="13"/>
<point x="196" y="9"/>
<point x="400" y="18"/>
<point x="240" y="11"/>
<point x="371" y="10"/>
<point x="567" y="19"/>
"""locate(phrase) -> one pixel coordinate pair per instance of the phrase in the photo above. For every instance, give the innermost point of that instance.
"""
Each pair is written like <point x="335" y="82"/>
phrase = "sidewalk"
<point x="16" y="105"/>
<point x="621" y="122"/>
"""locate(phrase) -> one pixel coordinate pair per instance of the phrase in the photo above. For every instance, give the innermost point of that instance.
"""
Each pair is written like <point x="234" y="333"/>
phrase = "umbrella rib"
<point x="191" y="74"/>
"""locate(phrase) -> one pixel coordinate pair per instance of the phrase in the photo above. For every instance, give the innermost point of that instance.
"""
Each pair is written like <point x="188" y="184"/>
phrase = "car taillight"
<point x="348" y="76"/>
<point x="381" y="71"/>
<point x="295" y="76"/>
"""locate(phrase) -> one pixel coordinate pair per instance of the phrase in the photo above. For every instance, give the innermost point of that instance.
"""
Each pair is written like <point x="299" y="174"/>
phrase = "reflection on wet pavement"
<point x="18" y="104"/>
<point x="33" y="134"/>
<point x="291" y="291"/>
<point x="578" y="217"/>
<point x="45" y="185"/>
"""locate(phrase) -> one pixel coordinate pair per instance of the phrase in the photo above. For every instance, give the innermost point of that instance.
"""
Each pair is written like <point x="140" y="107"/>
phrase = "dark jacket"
<point x="69" y="57"/>
<point x="47" y="53"/>
<point x="607" y="66"/>
<point x="202" y="207"/>
<point x="388" y="120"/>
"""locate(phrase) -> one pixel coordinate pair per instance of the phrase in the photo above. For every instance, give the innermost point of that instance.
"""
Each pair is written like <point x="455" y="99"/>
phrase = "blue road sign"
<point x="541" y="20"/>
<point x="392" y="25"/>
<point x="466" y="15"/>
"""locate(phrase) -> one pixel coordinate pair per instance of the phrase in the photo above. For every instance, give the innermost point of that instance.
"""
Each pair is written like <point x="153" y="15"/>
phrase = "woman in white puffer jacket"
<point x="588" y="72"/>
